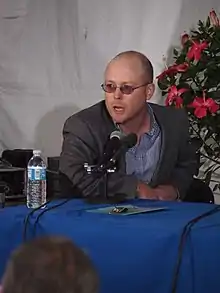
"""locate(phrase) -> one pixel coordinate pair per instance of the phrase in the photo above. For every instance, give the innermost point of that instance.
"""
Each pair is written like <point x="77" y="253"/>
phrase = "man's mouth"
<point x="118" y="109"/>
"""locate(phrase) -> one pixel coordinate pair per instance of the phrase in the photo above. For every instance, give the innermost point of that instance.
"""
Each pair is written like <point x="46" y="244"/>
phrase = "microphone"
<point x="112" y="145"/>
<point x="117" y="144"/>
<point x="127" y="142"/>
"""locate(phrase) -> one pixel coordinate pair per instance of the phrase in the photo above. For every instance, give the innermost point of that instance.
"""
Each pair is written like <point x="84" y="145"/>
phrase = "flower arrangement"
<point x="193" y="83"/>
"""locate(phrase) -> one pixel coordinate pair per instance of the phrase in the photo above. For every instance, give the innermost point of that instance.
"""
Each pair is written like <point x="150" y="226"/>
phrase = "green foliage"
<point x="201" y="77"/>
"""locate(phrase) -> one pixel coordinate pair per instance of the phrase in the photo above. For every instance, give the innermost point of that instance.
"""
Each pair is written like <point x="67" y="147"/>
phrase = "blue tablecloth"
<point x="134" y="253"/>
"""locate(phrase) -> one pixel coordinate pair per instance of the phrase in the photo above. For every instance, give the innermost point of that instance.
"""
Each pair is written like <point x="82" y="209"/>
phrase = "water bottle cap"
<point x="36" y="152"/>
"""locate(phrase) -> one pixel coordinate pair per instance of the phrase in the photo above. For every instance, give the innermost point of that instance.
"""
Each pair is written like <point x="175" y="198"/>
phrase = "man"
<point x="161" y="165"/>
<point x="49" y="265"/>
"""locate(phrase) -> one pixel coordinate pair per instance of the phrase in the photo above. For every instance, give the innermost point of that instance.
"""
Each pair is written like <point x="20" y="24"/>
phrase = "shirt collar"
<point x="153" y="123"/>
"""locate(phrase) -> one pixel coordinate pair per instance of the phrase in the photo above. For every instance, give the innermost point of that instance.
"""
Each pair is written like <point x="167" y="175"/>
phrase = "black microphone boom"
<point x="118" y="144"/>
<point x="127" y="142"/>
<point x="111" y="147"/>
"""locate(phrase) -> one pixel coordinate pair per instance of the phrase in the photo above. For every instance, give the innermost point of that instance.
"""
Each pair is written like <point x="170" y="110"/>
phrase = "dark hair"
<point x="50" y="265"/>
<point x="145" y="62"/>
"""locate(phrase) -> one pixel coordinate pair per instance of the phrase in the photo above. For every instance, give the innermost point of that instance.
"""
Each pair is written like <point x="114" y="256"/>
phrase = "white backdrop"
<point x="53" y="54"/>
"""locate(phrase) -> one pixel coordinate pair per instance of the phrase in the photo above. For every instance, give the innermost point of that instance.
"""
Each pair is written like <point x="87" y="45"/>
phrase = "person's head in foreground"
<point x="49" y="265"/>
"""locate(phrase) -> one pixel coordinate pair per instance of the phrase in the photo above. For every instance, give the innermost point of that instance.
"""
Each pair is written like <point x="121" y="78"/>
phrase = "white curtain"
<point x="53" y="54"/>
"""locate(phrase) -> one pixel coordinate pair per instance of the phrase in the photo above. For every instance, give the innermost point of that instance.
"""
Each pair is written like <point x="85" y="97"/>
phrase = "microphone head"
<point x="115" y="146"/>
<point x="116" y="134"/>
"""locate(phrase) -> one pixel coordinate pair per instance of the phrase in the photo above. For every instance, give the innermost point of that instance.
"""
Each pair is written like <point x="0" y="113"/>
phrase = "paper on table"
<point x="128" y="210"/>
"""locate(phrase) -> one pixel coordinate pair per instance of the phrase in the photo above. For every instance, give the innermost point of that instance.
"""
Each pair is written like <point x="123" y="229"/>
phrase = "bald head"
<point x="146" y="68"/>
<point x="128" y="84"/>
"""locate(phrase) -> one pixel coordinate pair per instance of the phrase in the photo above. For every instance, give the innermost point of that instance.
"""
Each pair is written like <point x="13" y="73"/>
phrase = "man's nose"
<point x="118" y="94"/>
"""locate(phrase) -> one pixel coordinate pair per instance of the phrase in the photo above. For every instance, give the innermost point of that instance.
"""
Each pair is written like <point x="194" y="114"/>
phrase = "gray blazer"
<point x="86" y="133"/>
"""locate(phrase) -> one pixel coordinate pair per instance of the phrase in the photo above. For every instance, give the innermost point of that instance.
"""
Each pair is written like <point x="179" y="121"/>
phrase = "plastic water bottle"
<point x="36" y="181"/>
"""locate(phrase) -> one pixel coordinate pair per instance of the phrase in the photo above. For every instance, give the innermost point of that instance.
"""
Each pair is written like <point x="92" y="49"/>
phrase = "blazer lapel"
<point x="161" y="119"/>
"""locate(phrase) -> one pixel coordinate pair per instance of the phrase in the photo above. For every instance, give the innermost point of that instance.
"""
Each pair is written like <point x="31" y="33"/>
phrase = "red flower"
<point x="170" y="70"/>
<point x="174" y="96"/>
<point x="174" y="69"/>
<point x="182" y="67"/>
<point x="214" y="18"/>
<point x="196" y="50"/>
<point x="184" y="38"/>
<point x="203" y="105"/>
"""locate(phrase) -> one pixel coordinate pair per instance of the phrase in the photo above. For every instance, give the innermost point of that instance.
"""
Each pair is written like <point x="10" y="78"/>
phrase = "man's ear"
<point x="150" y="89"/>
<point x="1" y="289"/>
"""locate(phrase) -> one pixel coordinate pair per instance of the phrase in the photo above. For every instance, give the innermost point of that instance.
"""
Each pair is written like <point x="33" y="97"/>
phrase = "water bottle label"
<point x="37" y="173"/>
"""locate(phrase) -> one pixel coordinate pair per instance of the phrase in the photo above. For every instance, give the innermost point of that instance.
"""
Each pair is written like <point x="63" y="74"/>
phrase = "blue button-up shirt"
<point x="143" y="158"/>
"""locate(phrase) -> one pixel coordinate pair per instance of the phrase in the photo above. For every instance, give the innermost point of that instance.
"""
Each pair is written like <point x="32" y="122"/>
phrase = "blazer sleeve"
<point x="80" y="146"/>
<point x="186" y="165"/>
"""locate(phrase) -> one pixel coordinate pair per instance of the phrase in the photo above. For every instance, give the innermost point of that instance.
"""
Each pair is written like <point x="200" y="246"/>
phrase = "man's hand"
<point x="162" y="192"/>
<point x="146" y="192"/>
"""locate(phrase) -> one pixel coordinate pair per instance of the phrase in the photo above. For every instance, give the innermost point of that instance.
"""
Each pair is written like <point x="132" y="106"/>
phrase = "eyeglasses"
<point x="125" y="88"/>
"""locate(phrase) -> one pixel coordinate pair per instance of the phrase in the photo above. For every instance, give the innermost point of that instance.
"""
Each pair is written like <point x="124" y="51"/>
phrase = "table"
<point x="134" y="253"/>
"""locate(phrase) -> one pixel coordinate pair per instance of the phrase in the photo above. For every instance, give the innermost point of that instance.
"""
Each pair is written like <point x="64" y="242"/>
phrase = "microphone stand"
<point x="103" y="171"/>
<point x="104" y="185"/>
